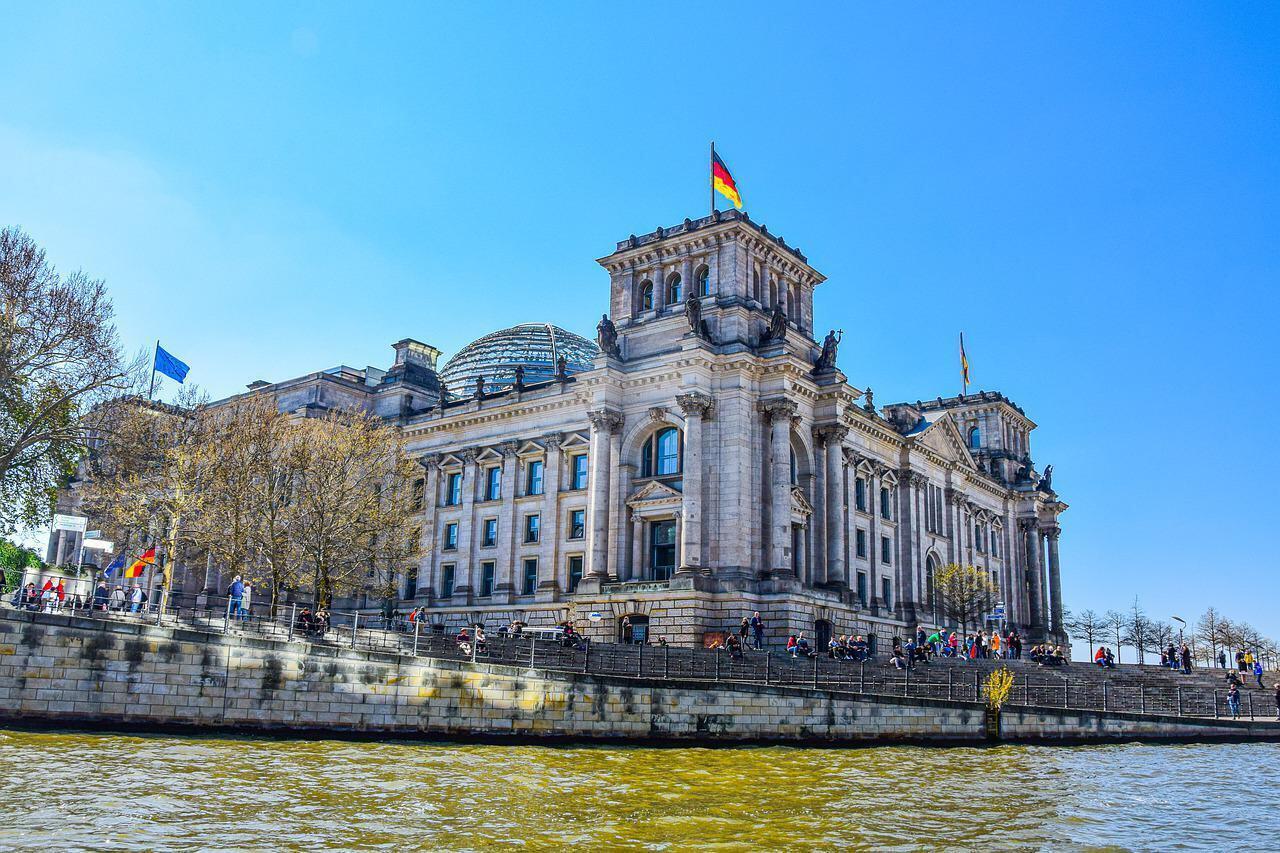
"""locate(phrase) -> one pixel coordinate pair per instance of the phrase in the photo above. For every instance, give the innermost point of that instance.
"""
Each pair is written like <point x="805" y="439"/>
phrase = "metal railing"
<point x="1082" y="687"/>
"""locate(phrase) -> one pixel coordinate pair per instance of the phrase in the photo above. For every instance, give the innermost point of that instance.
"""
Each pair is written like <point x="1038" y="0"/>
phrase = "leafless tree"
<point x="1089" y="626"/>
<point x="1113" y="624"/>
<point x="59" y="355"/>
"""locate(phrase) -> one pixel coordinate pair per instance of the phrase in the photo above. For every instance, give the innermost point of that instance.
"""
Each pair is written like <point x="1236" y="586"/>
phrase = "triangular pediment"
<point x="799" y="503"/>
<point x="942" y="436"/>
<point x="451" y="460"/>
<point x="574" y="440"/>
<point x="653" y="492"/>
<point x="530" y="448"/>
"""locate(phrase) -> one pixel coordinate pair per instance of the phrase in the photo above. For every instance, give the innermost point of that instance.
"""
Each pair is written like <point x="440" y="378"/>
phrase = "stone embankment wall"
<point x="73" y="670"/>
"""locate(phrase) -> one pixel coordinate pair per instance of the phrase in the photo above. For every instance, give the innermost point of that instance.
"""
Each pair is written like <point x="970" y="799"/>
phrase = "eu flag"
<point x="170" y="366"/>
<point x="116" y="565"/>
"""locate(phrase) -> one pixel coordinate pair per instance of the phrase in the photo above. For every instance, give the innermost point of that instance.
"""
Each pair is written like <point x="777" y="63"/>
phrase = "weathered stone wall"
<point x="67" y="669"/>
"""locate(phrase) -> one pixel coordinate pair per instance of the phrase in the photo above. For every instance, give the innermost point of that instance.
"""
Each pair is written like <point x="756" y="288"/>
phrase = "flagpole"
<point x="713" y="179"/>
<point x="152" y="390"/>
<point x="964" y="369"/>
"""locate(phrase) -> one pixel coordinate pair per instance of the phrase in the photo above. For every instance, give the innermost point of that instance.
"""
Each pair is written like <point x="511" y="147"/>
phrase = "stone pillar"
<point x="467" y="583"/>
<point x="616" y="521"/>
<point x="1031" y="538"/>
<point x="60" y="551"/>
<point x="504" y="574"/>
<point x="833" y="521"/>
<point x="637" y="548"/>
<point x="659" y="289"/>
<point x="779" y="412"/>
<point x="1055" y="582"/>
<point x="603" y="423"/>
<point x="910" y="484"/>
<point x="696" y="406"/>
<point x="551" y="532"/>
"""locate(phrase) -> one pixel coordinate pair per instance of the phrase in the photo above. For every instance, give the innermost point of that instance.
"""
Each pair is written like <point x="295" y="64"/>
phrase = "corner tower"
<point x="723" y="272"/>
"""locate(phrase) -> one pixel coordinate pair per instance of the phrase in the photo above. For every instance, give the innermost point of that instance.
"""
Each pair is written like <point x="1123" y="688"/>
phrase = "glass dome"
<point x="533" y="346"/>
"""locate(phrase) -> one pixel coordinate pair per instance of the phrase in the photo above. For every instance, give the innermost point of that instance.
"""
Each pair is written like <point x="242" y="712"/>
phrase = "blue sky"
<point x="1089" y="190"/>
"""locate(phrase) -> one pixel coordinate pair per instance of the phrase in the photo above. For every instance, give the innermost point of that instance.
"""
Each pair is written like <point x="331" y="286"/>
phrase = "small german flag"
<point x="722" y="181"/>
<point x="147" y="558"/>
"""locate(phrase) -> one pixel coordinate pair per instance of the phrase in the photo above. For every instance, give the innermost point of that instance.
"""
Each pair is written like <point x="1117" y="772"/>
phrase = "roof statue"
<point x="607" y="337"/>
<point x="827" y="358"/>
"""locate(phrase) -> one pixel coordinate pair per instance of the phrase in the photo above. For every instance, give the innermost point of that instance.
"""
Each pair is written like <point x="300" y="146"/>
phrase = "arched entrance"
<point x="633" y="629"/>
<point x="931" y="568"/>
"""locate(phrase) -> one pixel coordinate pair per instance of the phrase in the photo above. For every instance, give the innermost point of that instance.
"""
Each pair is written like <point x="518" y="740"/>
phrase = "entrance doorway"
<point x="821" y="636"/>
<point x="633" y="629"/>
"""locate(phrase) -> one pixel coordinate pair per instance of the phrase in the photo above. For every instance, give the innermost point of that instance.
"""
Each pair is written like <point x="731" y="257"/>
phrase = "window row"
<point x="675" y="289"/>
<point x="861" y="501"/>
<point x="531" y="478"/>
<point x="532" y="530"/>
<point x="528" y="579"/>
<point x="886" y="591"/>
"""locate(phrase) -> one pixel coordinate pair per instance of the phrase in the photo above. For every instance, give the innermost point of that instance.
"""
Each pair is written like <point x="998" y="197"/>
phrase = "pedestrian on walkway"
<point x="236" y="597"/>
<point x="136" y="598"/>
<point x="757" y="629"/>
<point x="1257" y="673"/>
<point x="1222" y="658"/>
<point x="744" y="630"/>
<point x="1278" y="700"/>
<point x="1233" y="701"/>
<point x="1186" y="659"/>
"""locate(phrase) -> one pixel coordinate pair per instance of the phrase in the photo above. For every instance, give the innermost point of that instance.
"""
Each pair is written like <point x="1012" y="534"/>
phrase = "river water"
<point x="102" y="791"/>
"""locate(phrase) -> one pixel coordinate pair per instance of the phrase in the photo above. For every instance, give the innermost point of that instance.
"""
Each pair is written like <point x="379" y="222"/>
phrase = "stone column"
<point x="659" y="289"/>
<point x="833" y="521"/>
<point x="1055" y="581"/>
<point x="616" y="521"/>
<point x="603" y="423"/>
<point x="696" y="406"/>
<point x="467" y="584"/>
<point x="637" y="548"/>
<point x="1031" y="538"/>
<point x="504" y="583"/>
<point x="910" y="484"/>
<point x="551" y="531"/>
<point x="779" y="412"/>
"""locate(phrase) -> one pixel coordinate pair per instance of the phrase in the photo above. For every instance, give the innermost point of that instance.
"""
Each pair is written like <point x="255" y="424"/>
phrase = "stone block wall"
<point x="74" y="670"/>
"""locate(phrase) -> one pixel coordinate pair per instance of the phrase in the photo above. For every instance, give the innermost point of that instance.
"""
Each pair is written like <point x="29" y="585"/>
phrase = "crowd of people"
<point x="53" y="597"/>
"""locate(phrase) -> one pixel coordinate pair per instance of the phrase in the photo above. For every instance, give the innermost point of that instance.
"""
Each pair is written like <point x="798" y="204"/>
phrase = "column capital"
<point x="508" y="448"/>
<point x="605" y="420"/>
<point x="831" y="434"/>
<point x="1053" y="532"/>
<point x="469" y="455"/>
<point x="914" y="478"/>
<point x="1028" y="524"/>
<point x="696" y="403"/>
<point x="429" y="461"/>
<point x="777" y="408"/>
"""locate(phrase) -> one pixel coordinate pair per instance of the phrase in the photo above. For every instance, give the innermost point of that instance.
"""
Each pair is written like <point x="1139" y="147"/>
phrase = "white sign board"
<point x="73" y="523"/>
<point x="594" y="617"/>
<point x="98" y="545"/>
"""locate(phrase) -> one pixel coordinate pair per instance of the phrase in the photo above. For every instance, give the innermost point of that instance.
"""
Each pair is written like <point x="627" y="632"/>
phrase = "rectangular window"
<point x="886" y="550"/>
<point x="579" y="478"/>
<point x="493" y="484"/>
<point x="530" y="576"/>
<point x="451" y="536"/>
<point x="995" y="543"/>
<point x="446" y="580"/>
<point x="490" y="536"/>
<point x="662" y="549"/>
<point x="419" y="493"/>
<point x="862" y="589"/>
<point x="575" y="571"/>
<point x="886" y="512"/>
<point x="860" y="494"/>
<point x="886" y="592"/>
<point x="532" y="527"/>
<point x="861" y="540"/>
<point x="978" y="538"/>
<point x="411" y="584"/>
<point x="533" y="478"/>
<point x="487" y="569"/>
<point x="453" y="489"/>
<point x="577" y="524"/>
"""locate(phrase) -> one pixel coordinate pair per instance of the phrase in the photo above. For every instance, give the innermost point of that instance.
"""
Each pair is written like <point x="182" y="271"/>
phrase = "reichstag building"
<point x="702" y="459"/>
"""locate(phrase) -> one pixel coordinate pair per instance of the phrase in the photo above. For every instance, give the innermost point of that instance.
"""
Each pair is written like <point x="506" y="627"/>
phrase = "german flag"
<point x="722" y="181"/>
<point x="147" y="558"/>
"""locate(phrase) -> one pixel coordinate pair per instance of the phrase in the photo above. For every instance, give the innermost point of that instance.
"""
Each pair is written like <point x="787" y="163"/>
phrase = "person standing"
<point x="1233" y="700"/>
<point x="100" y="596"/>
<point x="1186" y="659"/>
<point x="1257" y="673"/>
<point x="246" y="604"/>
<point x="136" y="598"/>
<point x="1222" y="658"/>
<point x="1278" y="700"/>
<point x="757" y="630"/>
<point x="235" y="596"/>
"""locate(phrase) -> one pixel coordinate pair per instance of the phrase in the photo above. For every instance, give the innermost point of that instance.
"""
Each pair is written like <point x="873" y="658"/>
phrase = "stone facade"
<point x="70" y="670"/>
<point x="711" y="463"/>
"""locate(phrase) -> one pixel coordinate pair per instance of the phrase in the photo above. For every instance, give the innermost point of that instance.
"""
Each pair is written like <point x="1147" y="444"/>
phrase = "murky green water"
<point x="79" y="791"/>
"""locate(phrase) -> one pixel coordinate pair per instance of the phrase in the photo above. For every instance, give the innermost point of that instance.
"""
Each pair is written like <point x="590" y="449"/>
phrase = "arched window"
<point x="755" y="286"/>
<point x="673" y="289"/>
<point x="662" y="454"/>
<point x="646" y="296"/>
<point x="703" y="279"/>
<point x="975" y="440"/>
